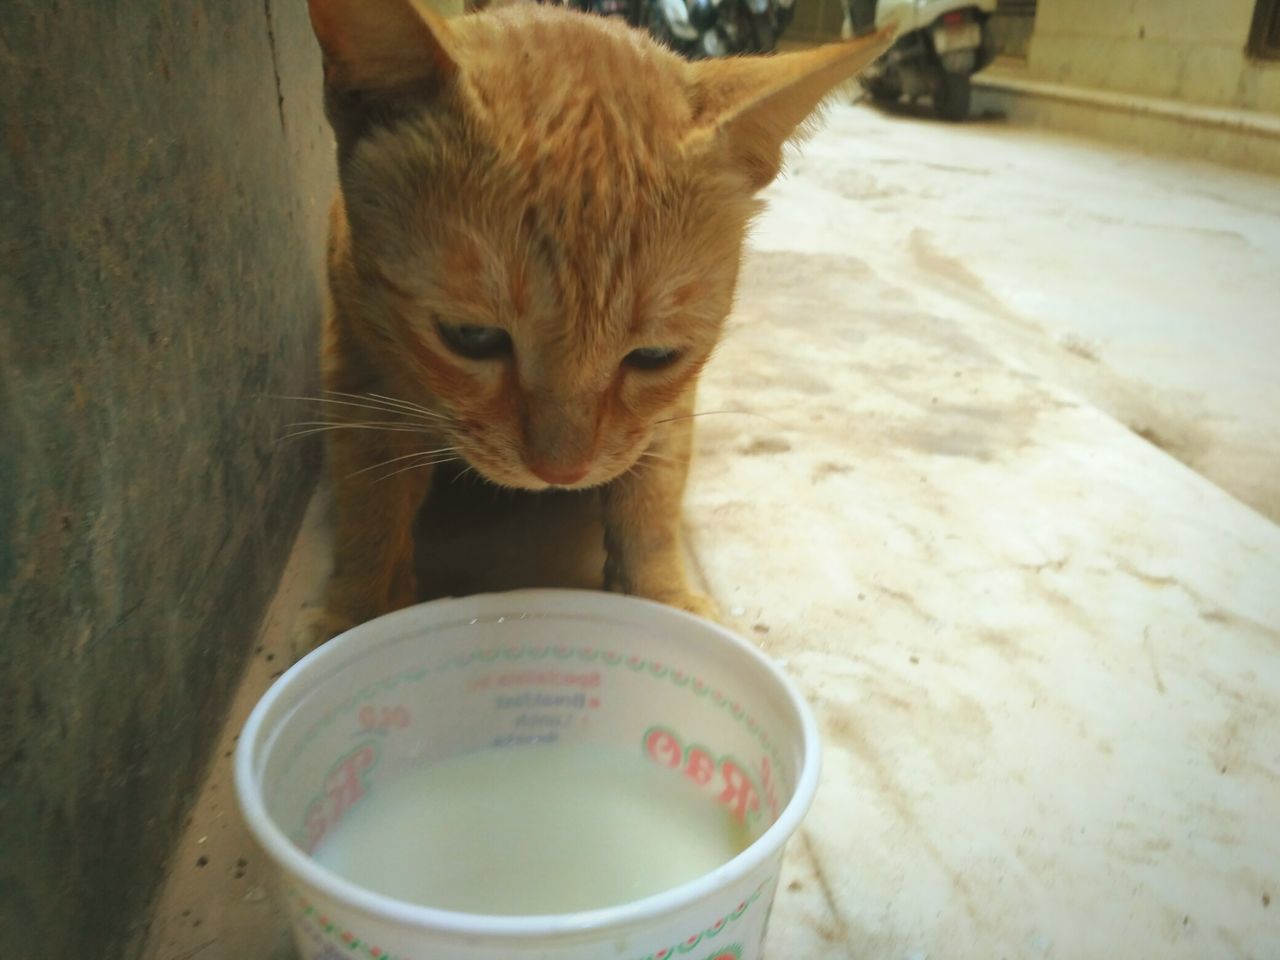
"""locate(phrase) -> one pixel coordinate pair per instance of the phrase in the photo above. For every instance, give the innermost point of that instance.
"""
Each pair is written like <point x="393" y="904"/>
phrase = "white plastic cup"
<point x="423" y="684"/>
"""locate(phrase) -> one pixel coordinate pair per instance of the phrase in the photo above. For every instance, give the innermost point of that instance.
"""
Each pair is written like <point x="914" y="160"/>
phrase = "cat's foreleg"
<point x="378" y="487"/>
<point x="644" y="552"/>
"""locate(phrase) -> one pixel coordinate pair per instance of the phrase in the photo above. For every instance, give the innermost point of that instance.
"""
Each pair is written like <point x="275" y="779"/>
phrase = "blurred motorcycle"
<point x="719" y="28"/>
<point x="941" y="44"/>
<point x="695" y="28"/>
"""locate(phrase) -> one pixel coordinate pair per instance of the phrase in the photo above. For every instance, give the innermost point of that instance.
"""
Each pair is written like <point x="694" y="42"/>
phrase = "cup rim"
<point x="381" y="907"/>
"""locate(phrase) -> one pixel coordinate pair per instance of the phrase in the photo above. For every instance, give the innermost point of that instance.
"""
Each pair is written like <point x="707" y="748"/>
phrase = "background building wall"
<point x="1181" y="49"/>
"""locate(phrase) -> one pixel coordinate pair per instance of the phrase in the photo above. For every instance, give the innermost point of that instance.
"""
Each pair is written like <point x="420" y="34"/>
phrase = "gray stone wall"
<point x="164" y="175"/>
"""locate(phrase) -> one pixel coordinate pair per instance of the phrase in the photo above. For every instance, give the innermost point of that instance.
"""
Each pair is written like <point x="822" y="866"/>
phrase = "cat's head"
<point x="546" y="214"/>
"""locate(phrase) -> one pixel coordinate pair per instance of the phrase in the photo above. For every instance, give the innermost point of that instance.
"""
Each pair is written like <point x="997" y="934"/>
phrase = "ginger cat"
<point x="535" y="243"/>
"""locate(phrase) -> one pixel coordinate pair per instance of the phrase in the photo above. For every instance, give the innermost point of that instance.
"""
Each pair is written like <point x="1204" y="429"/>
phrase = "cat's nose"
<point x="560" y="433"/>
<point x="559" y="474"/>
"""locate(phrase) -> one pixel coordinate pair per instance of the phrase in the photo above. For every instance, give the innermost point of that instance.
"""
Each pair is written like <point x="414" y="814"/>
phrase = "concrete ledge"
<point x="1239" y="138"/>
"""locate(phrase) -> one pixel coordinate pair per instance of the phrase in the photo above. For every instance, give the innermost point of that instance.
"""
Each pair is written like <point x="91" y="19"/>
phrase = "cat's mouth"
<point x="560" y="475"/>
<point x="582" y="476"/>
<point x="538" y="481"/>
<point x="508" y="462"/>
<point x="533" y="475"/>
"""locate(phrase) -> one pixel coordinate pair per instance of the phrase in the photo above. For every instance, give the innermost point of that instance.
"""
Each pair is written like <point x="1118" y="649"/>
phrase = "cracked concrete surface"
<point x="1145" y="286"/>
<point x="996" y="486"/>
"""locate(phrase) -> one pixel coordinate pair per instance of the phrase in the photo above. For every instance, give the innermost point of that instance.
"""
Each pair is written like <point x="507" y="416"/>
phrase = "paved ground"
<point x="1044" y="652"/>
<point x="1008" y="430"/>
<point x="1148" y="286"/>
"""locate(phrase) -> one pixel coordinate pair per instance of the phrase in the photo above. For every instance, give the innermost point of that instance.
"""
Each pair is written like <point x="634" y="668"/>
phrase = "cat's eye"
<point x="476" y="342"/>
<point x="651" y="358"/>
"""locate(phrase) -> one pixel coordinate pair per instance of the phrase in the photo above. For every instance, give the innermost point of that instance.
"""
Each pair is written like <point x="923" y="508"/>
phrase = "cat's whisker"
<point x="363" y="404"/>
<point x="654" y="461"/>
<point x="406" y="456"/>
<point x="390" y="404"/>
<point x="417" y="466"/>
<point x="468" y="469"/>
<point x="714" y="413"/>
<point x="650" y="455"/>
<point x="321" y="427"/>
<point x="393" y="424"/>
<point x="408" y="405"/>
<point x="334" y="400"/>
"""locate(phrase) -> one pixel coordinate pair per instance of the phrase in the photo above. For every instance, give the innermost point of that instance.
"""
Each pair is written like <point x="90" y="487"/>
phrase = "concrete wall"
<point x="1190" y="50"/>
<point x="164" y="173"/>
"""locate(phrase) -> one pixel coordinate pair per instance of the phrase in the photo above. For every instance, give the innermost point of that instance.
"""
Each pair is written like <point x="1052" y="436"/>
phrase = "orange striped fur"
<point x="567" y="180"/>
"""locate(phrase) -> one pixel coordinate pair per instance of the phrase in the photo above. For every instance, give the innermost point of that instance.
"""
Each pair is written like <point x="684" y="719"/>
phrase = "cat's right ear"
<point x="749" y="107"/>
<point x="382" y="46"/>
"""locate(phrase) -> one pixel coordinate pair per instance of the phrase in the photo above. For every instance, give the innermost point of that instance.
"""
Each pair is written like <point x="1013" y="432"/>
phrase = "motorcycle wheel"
<point x="952" y="96"/>
<point x="784" y="17"/>
<point x="882" y="89"/>
<point x="766" y="35"/>
<point x="660" y="31"/>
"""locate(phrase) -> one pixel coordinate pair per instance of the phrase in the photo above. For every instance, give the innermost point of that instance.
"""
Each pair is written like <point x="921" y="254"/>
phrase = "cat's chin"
<point x="530" y="483"/>
<point x="534" y="485"/>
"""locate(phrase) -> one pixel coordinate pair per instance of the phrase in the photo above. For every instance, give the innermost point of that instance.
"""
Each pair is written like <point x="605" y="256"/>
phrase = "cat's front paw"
<point x="698" y="604"/>
<point x="315" y="626"/>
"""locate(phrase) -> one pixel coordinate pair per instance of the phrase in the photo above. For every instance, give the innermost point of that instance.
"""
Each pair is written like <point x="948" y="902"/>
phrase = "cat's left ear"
<point x="753" y="105"/>
<point x="373" y="46"/>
